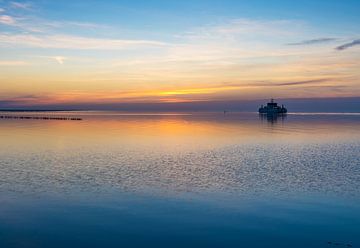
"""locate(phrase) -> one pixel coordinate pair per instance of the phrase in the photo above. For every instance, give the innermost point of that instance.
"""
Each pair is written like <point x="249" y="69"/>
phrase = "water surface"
<point x="195" y="179"/>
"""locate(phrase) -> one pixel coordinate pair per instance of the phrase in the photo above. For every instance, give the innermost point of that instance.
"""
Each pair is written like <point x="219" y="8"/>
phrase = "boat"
<point x="272" y="108"/>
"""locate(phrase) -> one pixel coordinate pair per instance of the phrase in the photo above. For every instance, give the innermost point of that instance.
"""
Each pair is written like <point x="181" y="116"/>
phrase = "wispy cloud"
<point x="58" y="59"/>
<point x="304" y="82"/>
<point x="278" y="83"/>
<point x="19" y="5"/>
<point x="12" y="63"/>
<point x="348" y="45"/>
<point x="19" y="100"/>
<point x="221" y="87"/>
<point x="7" y="20"/>
<point x="228" y="42"/>
<point x="246" y="27"/>
<point x="299" y="83"/>
<point x="312" y="41"/>
<point x="74" y="42"/>
<point x="212" y="91"/>
<point x="39" y="25"/>
<point x="67" y="24"/>
<point x="31" y="23"/>
<point x="35" y="25"/>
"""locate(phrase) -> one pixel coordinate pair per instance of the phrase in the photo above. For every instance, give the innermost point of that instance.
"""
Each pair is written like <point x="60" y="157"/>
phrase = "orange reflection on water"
<point x="102" y="130"/>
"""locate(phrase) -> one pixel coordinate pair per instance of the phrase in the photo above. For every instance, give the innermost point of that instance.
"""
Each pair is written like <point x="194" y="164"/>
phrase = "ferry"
<point x="272" y="108"/>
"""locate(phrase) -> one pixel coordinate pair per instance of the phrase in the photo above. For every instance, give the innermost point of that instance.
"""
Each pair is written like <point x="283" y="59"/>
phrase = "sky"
<point x="113" y="52"/>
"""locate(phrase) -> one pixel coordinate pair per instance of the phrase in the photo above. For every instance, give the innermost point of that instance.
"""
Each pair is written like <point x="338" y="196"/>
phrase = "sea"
<point x="117" y="179"/>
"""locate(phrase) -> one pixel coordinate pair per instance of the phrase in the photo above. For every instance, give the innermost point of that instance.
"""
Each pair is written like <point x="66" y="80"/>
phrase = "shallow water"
<point x="198" y="179"/>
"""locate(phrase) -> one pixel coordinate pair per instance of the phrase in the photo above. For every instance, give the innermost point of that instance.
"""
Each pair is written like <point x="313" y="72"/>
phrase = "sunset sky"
<point x="96" y="52"/>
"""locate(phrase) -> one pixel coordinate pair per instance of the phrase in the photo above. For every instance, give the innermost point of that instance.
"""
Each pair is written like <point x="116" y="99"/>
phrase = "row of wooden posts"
<point x="40" y="118"/>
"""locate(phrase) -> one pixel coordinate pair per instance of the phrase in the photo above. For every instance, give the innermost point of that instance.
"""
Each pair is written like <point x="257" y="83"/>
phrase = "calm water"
<point x="190" y="180"/>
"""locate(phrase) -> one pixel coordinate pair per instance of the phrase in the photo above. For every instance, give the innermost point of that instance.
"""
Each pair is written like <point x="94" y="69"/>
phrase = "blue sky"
<point x="165" y="15"/>
<point x="174" y="51"/>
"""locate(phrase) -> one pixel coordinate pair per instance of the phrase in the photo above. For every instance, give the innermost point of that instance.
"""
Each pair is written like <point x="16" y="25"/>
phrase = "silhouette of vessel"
<point x="272" y="108"/>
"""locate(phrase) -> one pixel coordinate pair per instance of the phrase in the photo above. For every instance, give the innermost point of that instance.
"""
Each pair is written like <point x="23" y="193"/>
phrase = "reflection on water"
<point x="273" y="118"/>
<point x="215" y="171"/>
<point x="182" y="153"/>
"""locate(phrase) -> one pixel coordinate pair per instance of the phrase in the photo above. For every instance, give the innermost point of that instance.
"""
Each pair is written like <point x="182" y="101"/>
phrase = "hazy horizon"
<point x="339" y="105"/>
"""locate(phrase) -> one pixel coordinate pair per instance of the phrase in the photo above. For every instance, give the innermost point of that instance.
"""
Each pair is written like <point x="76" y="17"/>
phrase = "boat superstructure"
<point x="272" y="108"/>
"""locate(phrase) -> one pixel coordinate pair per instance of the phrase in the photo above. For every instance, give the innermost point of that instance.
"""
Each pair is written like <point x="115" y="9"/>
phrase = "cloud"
<point x="214" y="88"/>
<point x="19" y="100"/>
<point x="229" y="41"/>
<point x="59" y="59"/>
<point x="313" y="81"/>
<point x="312" y="42"/>
<point x="38" y="25"/>
<point x="220" y="43"/>
<point x="212" y="92"/>
<point x="67" y="24"/>
<point x="7" y="20"/>
<point x="18" y="5"/>
<point x="12" y="63"/>
<point x="2" y="10"/>
<point x="246" y="27"/>
<point x="348" y="45"/>
<point x="74" y="42"/>
<point x="274" y="83"/>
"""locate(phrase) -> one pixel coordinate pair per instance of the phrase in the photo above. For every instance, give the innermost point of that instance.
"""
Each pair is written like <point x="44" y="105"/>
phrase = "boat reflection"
<point x="273" y="118"/>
